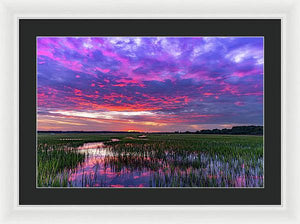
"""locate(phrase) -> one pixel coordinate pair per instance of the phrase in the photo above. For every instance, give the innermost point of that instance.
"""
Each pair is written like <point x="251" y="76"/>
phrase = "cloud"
<point x="172" y="82"/>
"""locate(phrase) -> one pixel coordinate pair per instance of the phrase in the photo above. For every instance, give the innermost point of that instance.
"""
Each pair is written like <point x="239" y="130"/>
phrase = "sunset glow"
<point x="149" y="84"/>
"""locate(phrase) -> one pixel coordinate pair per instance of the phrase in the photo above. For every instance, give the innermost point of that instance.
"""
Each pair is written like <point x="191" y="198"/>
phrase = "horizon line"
<point x="149" y="131"/>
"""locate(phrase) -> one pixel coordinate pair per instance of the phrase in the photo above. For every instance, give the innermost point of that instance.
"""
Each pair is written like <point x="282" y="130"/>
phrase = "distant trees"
<point x="236" y="130"/>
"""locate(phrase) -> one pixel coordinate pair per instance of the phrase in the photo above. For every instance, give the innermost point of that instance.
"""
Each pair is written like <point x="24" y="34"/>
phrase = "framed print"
<point x="150" y="112"/>
<point x="136" y="109"/>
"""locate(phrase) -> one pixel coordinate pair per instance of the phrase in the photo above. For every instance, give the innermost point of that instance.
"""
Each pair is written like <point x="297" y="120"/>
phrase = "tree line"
<point x="236" y="130"/>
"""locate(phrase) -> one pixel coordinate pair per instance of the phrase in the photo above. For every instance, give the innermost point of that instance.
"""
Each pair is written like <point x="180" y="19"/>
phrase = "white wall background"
<point x="10" y="10"/>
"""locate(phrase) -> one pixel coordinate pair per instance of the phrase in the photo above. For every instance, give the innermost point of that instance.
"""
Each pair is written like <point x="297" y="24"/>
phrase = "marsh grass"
<point x="52" y="161"/>
<point x="172" y="160"/>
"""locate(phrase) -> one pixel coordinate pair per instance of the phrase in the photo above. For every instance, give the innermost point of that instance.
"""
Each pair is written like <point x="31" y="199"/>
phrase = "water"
<point x="94" y="172"/>
<point x="103" y="167"/>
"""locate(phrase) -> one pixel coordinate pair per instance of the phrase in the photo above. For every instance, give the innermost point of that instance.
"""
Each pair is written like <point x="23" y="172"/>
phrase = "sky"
<point x="149" y="84"/>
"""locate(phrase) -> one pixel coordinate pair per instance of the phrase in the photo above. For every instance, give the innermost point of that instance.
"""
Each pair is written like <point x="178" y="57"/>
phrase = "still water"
<point x="95" y="171"/>
<point x="103" y="167"/>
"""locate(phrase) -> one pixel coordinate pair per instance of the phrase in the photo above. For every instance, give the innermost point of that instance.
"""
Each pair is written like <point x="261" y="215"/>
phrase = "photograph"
<point x="150" y="112"/>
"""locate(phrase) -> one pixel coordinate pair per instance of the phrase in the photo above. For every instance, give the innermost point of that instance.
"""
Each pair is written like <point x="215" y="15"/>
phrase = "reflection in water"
<point x="96" y="171"/>
<point x="104" y="166"/>
<point x="115" y="140"/>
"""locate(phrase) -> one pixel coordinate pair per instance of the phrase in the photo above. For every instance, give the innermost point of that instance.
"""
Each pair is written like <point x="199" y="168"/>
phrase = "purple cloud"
<point x="149" y="83"/>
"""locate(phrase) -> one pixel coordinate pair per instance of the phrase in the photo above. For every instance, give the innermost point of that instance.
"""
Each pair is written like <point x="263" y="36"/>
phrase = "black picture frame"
<point x="29" y="29"/>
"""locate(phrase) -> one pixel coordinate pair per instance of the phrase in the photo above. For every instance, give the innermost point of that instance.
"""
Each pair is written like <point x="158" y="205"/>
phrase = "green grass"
<point x="217" y="159"/>
<point x="52" y="162"/>
<point x="56" y="157"/>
